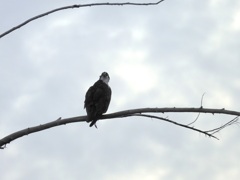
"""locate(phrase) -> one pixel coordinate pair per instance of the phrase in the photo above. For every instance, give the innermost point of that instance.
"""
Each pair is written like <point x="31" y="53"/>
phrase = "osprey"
<point x="97" y="99"/>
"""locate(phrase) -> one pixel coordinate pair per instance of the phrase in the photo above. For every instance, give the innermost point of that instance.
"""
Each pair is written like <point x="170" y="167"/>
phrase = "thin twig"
<point x="178" y="124"/>
<point x="76" y="6"/>
<point x="215" y="130"/>
<point x="198" y="113"/>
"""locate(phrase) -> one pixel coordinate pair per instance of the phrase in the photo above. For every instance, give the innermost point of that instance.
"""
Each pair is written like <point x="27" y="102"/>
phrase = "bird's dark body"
<point x="97" y="100"/>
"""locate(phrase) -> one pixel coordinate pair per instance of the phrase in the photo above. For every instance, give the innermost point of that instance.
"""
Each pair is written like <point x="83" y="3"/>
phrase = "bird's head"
<point x="105" y="77"/>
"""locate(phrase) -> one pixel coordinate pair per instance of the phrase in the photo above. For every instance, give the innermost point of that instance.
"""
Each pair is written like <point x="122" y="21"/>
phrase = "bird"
<point x="97" y="99"/>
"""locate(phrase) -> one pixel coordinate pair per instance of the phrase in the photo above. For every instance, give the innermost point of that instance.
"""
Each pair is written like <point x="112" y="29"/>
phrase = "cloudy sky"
<point x="157" y="56"/>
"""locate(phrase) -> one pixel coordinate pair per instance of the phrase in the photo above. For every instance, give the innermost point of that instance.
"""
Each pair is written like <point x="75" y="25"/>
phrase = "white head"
<point x="105" y="77"/>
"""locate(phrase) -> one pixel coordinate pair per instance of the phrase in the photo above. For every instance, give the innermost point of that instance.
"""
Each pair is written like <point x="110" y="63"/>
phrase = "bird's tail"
<point x="93" y="122"/>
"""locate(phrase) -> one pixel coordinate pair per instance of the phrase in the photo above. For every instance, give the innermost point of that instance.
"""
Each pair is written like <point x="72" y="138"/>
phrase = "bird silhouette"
<point x="97" y="99"/>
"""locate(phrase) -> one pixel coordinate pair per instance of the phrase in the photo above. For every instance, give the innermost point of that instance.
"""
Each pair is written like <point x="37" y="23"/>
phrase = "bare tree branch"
<point x="76" y="6"/>
<point x="127" y="113"/>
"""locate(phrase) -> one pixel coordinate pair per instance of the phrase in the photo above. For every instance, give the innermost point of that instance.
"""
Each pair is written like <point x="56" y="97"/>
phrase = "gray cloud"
<point x="167" y="55"/>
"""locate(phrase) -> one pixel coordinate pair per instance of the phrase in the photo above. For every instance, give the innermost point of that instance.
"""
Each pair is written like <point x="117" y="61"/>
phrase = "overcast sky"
<point x="157" y="56"/>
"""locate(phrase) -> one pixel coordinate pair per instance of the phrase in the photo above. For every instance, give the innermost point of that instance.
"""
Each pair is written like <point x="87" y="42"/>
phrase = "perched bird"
<point x="97" y="99"/>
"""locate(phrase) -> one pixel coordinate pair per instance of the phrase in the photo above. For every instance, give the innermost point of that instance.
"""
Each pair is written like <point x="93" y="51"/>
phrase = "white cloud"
<point x="140" y="173"/>
<point x="133" y="68"/>
<point x="235" y="26"/>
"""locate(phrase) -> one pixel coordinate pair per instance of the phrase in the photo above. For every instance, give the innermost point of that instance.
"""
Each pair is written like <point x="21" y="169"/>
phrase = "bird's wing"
<point x="89" y="96"/>
<point x="104" y="97"/>
<point x="107" y="99"/>
<point x="93" y="101"/>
